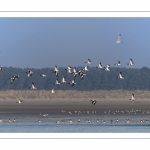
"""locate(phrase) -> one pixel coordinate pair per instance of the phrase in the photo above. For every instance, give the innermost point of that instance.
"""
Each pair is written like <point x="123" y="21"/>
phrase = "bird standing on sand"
<point x="132" y="97"/>
<point x="52" y="91"/>
<point x="19" y="101"/>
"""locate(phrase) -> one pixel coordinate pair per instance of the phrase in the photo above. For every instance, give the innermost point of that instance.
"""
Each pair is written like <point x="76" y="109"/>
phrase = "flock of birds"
<point x="82" y="74"/>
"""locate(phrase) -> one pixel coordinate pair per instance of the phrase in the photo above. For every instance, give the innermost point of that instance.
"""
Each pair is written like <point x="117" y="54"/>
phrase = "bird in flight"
<point x="118" y="41"/>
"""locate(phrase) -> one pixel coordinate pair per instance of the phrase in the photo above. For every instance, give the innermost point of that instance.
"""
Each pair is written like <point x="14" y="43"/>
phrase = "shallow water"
<point x="29" y="122"/>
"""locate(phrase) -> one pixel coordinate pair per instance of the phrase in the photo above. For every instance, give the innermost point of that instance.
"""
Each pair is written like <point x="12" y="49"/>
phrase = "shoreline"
<point x="36" y="101"/>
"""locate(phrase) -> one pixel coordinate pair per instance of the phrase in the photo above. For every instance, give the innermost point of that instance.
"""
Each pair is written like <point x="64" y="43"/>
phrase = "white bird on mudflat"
<point x="131" y="63"/>
<point x="132" y="97"/>
<point x="39" y="121"/>
<point x="120" y="76"/>
<point x="88" y="61"/>
<point x="118" y="63"/>
<point x="78" y="120"/>
<point x="43" y="75"/>
<point x="118" y="41"/>
<point x="52" y="91"/>
<point x="33" y="86"/>
<point x="70" y="121"/>
<point x="45" y="115"/>
<point x="99" y="66"/>
<point x="57" y="82"/>
<point x="29" y="73"/>
<point x="72" y="82"/>
<point x="19" y="101"/>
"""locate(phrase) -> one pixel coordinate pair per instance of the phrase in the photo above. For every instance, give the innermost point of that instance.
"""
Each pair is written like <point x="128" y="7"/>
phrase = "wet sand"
<point x="59" y="104"/>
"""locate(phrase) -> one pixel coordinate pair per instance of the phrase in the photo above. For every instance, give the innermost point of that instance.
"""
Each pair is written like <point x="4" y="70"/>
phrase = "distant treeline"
<point x="95" y="79"/>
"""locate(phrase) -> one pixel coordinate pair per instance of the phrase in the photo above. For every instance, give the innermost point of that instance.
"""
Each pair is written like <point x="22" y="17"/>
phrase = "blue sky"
<point x="46" y="42"/>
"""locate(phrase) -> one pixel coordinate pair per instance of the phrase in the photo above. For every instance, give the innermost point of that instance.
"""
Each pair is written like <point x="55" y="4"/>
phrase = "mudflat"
<point x="72" y="104"/>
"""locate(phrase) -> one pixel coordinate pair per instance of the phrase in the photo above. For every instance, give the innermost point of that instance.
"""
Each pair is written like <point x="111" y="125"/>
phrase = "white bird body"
<point x="43" y="75"/>
<point x="52" y="91"/>
<point x="63" y="80"/>
<point x="86" y="68"/>
<point x="19" y="101"/>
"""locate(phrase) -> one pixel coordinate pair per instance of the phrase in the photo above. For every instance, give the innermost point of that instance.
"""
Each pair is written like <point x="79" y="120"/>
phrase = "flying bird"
<point x="1" y="68"/>
<point x="118" y="63"/>
<point x="93" y="101"/>
<point x="29" y="73"/>
<point x="56" y="71"/>
<point x="118" y="41"/>
<point x="99" y="66"/>
<point x="72" y="82"/>
<point x="88" y="61"/>
<point x="120" y="76"/>
<point x="57" y="82"/>
<point x="43" y="75"/>
<point x="33" y="86"/>
<point x="107" y="68"/>
<point x="63" y="80"/>
<point x="131" y="62"/>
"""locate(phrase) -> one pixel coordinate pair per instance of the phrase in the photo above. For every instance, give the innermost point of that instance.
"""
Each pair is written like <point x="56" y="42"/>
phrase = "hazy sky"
<point x="46" y="42"/>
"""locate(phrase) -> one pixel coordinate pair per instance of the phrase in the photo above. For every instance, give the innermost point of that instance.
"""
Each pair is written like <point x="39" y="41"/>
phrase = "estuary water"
<point x="74" y="122"/>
